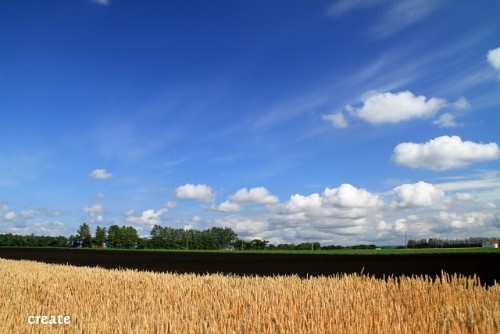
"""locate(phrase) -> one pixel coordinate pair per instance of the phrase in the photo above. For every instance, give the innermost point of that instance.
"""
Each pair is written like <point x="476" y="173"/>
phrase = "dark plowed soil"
<point x="485" y="266"/>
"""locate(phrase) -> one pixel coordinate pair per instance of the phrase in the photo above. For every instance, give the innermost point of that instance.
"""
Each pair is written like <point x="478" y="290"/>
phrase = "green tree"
<point x="129" y="236"/>
<point x="115" y="238"/>
<point x="156" y="237"/>
<point x="84" y="236"/>
<point x="100" y="236"/>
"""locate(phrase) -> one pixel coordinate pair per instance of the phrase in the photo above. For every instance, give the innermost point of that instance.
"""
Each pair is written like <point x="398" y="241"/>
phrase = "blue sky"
<point x="342" y="122"/>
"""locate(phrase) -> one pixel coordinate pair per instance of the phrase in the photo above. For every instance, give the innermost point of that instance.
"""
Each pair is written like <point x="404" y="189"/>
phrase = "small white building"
<point x="491" y="244"/>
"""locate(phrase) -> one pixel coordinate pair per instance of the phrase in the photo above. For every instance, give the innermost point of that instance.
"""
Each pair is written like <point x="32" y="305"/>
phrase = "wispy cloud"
<point x="101" y="2"/>
<point x="446" y="120"/>
<point x="337" y="119"/>
<point x="345" y="6"/>
<point x="398" y="15"/>
<point x="403" y="14"/>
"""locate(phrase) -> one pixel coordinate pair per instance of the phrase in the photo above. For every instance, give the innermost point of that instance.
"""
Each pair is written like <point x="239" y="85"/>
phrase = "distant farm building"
<point x="491" y="244"/>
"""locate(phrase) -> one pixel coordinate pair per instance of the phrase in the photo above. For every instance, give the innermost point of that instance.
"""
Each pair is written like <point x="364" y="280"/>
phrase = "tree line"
<point x="214" y="238"/>
<point x="14" y="240"/>
<point x="448" y="243"/>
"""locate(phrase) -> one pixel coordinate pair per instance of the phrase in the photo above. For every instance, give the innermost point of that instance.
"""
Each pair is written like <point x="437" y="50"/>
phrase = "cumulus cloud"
<point x="299" y="202"/>
<point x="493" y="58"/>
<point x="381" y="108"/>
<point x="228" y="206"/>
<point x="50" y="228"/>
<point x="11" y="215"/>
<point x="444" y="153"/>
<point x="469" y="220"/>
<point x="349" y="196"/>
<point x="337" y="119"/>
<point x="28" y="221"/>
<point x="147" y="217"/>
<point x="342" y="207"/>
<point x="419" y="194"/>
<point x="348" y="215"/>
<point x="150" y="216"/>
<point x="100" y="174"/>
<point x="400" y="225"/>
<point x="252" y="226"/>
<point x="200" y="192"/>
<point x="257" y="195"/>
<point x="96" y="208"/>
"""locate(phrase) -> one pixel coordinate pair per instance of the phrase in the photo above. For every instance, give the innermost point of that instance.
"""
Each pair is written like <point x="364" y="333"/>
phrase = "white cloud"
<point x="397" y="14"/>
<point x="337" y="119"/>
<point x="351" y="197"/>
<point x="251" y="226"/>
<point x="403" y="14"/>
<point x="381" y="108"/>
<point x="461" y="104"/>
<point x="99" y="196"/>
<point x="341" y="210"/>
<point x="490" y="205"/>
<point x="200" y="192"/>
<point x="345" y="6"/>
<point x="419" y="194"/>
<point x="257" y="195"/>
<point x="350" y="215"/>
<point x="148" y="217"/>
<point x="29" y="213"/>
<point x="479" y="181"/>
<point x="400" y="225"/>
<point x="383" y="226"/>
<point x="299" y="202"/>
<point x="11" y="215"/>
<point x="100" y="174"/>
<point x="469" y="220"/>
<point x="444" y="153"/>
<point x="494" y="58"/>
<point x="228" y="206"/>
<point x="96" y="208"/>
<point x="169" y="205"/>
<point x="101" y="2"/>
<point x="28" y="221"/>
<point x="49" y="228"/>
<point x="446" y="120"/>
<point x="463" y="197"/>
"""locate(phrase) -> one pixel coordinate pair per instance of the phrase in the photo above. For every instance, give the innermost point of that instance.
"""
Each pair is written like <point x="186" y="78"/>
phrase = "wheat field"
<point x="127" y="301"/>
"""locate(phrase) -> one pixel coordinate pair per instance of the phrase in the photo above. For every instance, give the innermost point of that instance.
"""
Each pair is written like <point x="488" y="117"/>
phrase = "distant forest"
<point x="215" y="238"/>
<point x="448" y="243"/>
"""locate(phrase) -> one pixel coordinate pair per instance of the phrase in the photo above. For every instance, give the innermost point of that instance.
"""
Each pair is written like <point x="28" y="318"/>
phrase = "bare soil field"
<point x="484" y="266"/>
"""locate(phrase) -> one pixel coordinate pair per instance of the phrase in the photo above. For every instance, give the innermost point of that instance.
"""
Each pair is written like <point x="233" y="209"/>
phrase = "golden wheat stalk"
<point x="129" y="301"/>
